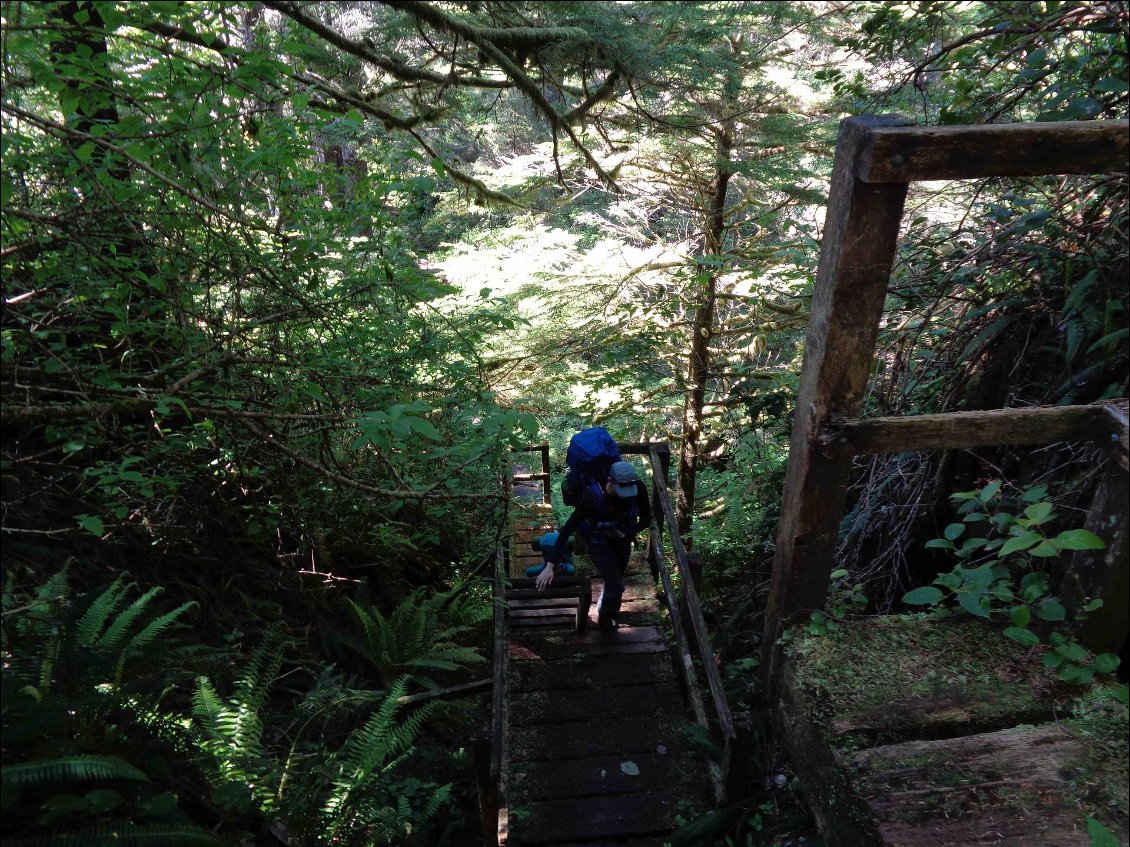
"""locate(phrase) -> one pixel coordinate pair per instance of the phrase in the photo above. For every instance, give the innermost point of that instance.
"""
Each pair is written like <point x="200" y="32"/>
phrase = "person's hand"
<point x="546" y="576"/>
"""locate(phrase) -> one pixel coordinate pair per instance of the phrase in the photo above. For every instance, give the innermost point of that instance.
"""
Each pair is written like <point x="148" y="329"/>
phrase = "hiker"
<point x="609" y="517"/>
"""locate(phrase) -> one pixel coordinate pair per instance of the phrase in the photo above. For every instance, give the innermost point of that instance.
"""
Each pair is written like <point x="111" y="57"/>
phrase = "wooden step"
<point x="910" y="732"/>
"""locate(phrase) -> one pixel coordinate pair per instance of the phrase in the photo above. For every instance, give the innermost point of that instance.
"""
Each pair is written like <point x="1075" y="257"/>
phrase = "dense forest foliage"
<point x="283" y="283"/>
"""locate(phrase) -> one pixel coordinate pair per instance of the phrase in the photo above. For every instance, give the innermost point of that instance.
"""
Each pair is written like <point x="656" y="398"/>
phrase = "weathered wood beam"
<point x="856" y="254"/>
<point x="910" y="153"/>
<point x="958" y="430"/>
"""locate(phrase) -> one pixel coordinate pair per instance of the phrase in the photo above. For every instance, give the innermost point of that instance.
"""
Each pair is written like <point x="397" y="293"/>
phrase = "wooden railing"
<point x="717" y="722"/>
<point x="876" y="159"/>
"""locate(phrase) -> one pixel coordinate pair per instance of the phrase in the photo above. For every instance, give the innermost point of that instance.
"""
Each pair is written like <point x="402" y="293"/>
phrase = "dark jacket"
<point x="595" y="509"/>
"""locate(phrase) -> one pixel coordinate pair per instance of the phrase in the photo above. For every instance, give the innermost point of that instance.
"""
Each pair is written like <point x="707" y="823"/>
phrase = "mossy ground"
<point x="886" y="679"/>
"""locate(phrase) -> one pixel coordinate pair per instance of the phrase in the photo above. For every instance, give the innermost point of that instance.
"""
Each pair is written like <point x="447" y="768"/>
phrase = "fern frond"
<point x="439" y="798"/>
<point x="112" y="638"/>
<point x="368" y="625"/>
<point x="207" y="705"/>
<point x="92" y="623"/>
<point x="147" y="635"/>
<point x="55" y="588"/>
<point x="80" y="768"/>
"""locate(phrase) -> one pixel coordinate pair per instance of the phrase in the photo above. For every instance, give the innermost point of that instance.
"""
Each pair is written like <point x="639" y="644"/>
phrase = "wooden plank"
<point x="517" y="615"/>
<point x="596" y="672"/>
<point x="891" y="680"/>
<point x="957" y="430"/>
<point x="529" y="651"/>
<point x="601" y="775"/>
<point x="553" y="707"/>
<point x="907" y="154"/>
<point x="589" y="737"/>
<point x="547" y="603"/>
<point x="860" y="232"/>
<point x="616" y="816"/>
<point x="1023" y="786"/>
<point x="552" y="592"/>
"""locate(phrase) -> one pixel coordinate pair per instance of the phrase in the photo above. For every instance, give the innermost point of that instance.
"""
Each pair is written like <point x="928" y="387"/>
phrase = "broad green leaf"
<point x="924" y="596"/>
<point x="973" y="603"/>
<point x="1044" y="550"/>
<point x="954" y="531"/>
<point x="940" y="542"/>
<point x="425" y="428"/>
<point x="1021" y="616"/>
<point x="1078" y="539"/>
<point x="989" y="491"/>
<point x="951" y="580"/>
<point x="1020" y="542"/>
<point x="1106" y="663"/>
<point x="1051" y="610"/>
<point x="978" y="579"/>
<point x="1111" y="84"/>
<point x="92" y="524"/>
<point x="1022" y="636"/>
<point x="1037" y="513"/>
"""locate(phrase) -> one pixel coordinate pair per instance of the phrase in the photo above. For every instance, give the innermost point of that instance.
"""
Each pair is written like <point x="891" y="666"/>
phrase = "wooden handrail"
<point x="717" y="778"/>
<point x="694" y="608"/>
<point x="498" y="698"/>
<point x="962" y="430"/>
<point x="911" y="153"/>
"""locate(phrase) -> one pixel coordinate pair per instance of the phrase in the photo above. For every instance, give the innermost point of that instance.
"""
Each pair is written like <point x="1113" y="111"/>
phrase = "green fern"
<point x="233" y="728"/>
<point x="82" y="768"/>
<point x="413" y="637"/>
<point x="115" y="633"/>
<point x="90" y="626"/>
<point x="374" y="749"/>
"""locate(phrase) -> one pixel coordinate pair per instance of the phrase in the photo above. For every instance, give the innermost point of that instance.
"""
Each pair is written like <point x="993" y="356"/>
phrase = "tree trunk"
<point x="702" y="329"/>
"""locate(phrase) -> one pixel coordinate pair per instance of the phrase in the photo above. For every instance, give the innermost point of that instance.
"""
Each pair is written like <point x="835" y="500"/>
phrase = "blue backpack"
<point x="591" y="454"/>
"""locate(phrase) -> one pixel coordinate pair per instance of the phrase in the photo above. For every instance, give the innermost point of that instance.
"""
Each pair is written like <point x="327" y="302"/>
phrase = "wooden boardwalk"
<point x="594" y="750"/>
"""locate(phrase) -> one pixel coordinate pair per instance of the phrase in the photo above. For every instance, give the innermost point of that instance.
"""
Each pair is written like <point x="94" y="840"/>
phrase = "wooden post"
<point x="493" y="810"/>
<point x="1105" y="574"/>
<point x="858" y="248"/>
<point x="737" y="758"/>
<point x="485" y="786"/>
